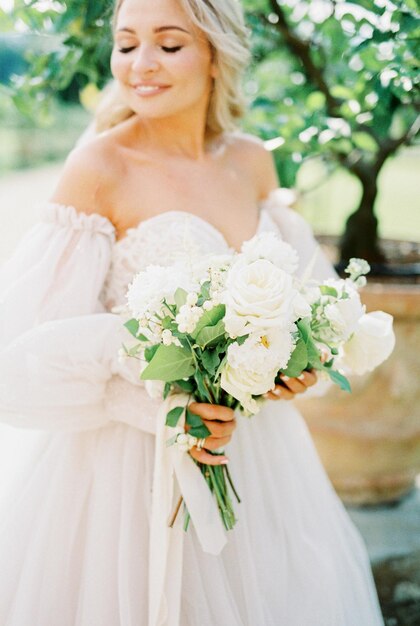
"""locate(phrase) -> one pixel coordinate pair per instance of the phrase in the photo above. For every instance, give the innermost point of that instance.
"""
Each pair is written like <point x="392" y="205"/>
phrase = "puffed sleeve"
<point x="296" y="231"/>
<point x="57" y="343"/>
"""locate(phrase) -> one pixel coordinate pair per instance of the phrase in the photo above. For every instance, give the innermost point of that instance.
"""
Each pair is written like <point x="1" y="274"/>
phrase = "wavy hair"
<point x="222" y="22"/>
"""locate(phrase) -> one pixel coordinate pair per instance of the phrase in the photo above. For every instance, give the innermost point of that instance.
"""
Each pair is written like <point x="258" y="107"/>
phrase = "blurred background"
<point x="334" y="92"/>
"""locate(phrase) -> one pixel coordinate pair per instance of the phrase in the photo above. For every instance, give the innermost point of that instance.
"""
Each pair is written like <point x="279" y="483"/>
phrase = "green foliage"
<point x="334" y="79"/>
<point x="169" y="363"/>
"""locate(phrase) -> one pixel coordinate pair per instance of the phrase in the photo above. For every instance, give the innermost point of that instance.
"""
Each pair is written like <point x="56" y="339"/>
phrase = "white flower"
<point x="262" y="353"/>
<point x="242" y="384"/>
<point x="154" y="388"/>
<point x="372" y="343"/>
<point x="169" y="339"/>
<point x="150" y="287"/>
<point x="192" y="298"/>
<point x="344" y="315"/>
<point x="188" y="318"/>
<point x="357" y="268"/>
<point x="185" y="441"/>
<point x="258" y="296"/>
<point x="311" y="294"/>
<point x="301" y="306"/>
<point x="270" y="247"/>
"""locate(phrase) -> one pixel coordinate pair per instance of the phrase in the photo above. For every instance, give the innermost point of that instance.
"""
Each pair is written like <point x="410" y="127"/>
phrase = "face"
<point x="161" y="61"/>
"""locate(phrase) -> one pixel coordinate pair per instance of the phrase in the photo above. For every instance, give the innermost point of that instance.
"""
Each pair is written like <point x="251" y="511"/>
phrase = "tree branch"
<point x="302" y="50"/>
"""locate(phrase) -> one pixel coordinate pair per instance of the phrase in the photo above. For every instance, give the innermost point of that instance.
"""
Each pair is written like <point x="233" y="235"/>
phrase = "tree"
<point x="331" y="78"/>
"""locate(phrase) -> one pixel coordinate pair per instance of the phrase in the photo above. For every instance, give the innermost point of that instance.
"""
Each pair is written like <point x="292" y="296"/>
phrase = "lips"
<point x="149" y="89"/>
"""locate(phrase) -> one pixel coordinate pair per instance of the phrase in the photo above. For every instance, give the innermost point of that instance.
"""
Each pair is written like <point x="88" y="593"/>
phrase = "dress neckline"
<point x="134" y="230"/>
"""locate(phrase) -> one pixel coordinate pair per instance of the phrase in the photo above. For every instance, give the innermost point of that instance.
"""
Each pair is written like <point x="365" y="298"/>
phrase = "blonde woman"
<point x="84" y="538"/>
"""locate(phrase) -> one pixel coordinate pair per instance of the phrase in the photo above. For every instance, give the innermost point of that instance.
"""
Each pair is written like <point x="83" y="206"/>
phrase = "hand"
<point x="221" y="423"/>
<point x="290" y="387"/>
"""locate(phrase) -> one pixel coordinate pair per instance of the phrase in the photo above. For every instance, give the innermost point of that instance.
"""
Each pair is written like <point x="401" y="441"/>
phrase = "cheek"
<point x="193" y="65"/>
<point x="118" y="65"/>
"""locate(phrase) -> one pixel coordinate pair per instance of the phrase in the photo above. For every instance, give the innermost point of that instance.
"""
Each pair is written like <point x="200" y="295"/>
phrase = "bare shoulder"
<point x="255" y="158"/>
<point x="88" y="174"/>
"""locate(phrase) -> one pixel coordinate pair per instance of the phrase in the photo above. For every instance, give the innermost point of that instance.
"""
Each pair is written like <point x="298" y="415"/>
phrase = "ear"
<point x="214" y="70"/>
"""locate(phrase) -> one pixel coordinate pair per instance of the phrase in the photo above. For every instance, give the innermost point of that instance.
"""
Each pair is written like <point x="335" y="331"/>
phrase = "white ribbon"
<point x="166" y="543"/>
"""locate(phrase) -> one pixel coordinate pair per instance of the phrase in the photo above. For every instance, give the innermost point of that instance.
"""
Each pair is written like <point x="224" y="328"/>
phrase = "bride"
<point x="166" y="175"/>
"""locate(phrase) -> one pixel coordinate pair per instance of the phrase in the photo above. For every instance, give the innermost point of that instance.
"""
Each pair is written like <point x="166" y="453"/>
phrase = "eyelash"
<point x="164" y="48"/>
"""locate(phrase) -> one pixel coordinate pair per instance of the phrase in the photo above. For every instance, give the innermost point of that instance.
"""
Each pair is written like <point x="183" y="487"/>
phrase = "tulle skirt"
<point x="74" y="534"/>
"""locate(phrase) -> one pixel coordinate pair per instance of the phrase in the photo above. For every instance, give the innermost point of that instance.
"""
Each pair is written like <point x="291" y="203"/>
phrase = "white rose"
<point x="242" y="384"/>
<point x="269" y="246"/>
<point x="262" y="353"/>
<point x="371" y="344"/>
<point x="344" y="315"/>
<point x="258" y="295"/>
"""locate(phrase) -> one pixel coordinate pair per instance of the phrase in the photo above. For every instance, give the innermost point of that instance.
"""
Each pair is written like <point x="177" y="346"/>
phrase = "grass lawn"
<point x="398" y="206"/>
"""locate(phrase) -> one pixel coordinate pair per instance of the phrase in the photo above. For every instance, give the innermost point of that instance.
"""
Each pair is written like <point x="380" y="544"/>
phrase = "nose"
<point x="145" y="61"/>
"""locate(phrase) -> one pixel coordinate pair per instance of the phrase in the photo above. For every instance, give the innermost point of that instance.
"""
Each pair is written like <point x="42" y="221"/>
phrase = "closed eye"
<point x="125" y="50"/>
<point x="171" y="50"/>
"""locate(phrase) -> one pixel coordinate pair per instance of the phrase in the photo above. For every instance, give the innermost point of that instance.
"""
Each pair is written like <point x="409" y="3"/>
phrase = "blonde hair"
<point x="222" y="22"/>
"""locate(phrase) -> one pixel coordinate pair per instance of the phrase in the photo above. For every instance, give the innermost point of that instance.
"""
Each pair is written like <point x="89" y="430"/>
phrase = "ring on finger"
<point x="200" y="443"/>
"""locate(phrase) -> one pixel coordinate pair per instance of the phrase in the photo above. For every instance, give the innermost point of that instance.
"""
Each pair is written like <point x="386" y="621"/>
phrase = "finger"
<point x="214" y="443"/>
<point x="308" y="378"/>
<point x="208" y="459"/>
<point x="220" y="429"/>
<point x="212" y="411"/>
<point x="293" y="384"/>
<point x="280" y="393"/>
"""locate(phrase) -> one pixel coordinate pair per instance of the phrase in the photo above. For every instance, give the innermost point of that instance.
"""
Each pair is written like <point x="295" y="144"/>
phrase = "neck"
<point x="181" y="135"/>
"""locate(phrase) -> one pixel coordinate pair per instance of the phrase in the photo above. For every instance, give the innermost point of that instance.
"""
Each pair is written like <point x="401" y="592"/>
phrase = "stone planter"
<point x="369" y="442"/>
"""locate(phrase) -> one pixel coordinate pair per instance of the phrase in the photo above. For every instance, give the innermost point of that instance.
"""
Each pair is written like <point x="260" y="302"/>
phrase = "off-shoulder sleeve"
<point x="57" y="344"/>
<point x="296" y="231"/>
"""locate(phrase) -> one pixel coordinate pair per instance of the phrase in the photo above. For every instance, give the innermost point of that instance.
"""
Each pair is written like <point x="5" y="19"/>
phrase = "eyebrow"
<point x="160" y="29"/>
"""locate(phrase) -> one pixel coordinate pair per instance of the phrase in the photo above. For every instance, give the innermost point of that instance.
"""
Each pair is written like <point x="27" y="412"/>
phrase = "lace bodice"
<point x="162" y="240"/>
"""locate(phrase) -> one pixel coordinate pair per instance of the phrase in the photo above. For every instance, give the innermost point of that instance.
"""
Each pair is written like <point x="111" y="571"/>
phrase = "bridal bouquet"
<point x="223" y="328"/>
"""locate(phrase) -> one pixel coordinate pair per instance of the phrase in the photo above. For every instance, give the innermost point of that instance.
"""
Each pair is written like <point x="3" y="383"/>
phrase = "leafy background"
<point x="334" y="86"/>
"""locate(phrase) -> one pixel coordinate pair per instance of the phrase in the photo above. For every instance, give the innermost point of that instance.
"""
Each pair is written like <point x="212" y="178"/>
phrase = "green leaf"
<point x="197" y="427"/>
<point x="315" y="101"/>
<point x="172" y="418"/>
<point x="339" y="380"/>
<point x="211" y="361"/>
<point x="364" y="141"/>
<point x="298" y="360"/>
<point x="201" y="432"/>
<point x="209" y="318"/>
<point x="169" y="364"/>
<point x="185" y="385"/>
<point x="203" y="390"/>
<point x="150" y="352"/>
<point x="180" y="297"/>
<point x="210" y="334"/>
<point x="166" y="390"/>
<point x="133" y="327"/>
<point x="328" y="291"/>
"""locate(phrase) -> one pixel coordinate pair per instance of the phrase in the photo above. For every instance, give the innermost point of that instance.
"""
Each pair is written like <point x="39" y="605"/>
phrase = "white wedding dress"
<point x="77" y="494"/>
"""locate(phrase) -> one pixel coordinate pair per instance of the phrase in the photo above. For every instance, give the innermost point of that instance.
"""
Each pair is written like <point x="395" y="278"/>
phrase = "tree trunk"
<point x="360" y="237"/>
